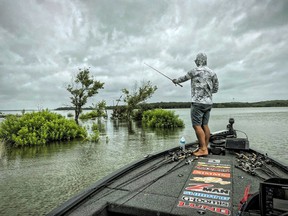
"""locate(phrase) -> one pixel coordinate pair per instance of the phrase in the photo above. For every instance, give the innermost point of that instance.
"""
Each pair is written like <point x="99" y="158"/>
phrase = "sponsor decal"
<point x="208" y="188"/>
<point x="214" y="165"/>
<point x="215" y="169"/>
<point x="206" y="201"/>
<point x="207" y="173"/>
<point x="217" y="161"/>
<point x="219" y="210"/>
<point x="210" y="180"/>
<point x="208" y="196"/>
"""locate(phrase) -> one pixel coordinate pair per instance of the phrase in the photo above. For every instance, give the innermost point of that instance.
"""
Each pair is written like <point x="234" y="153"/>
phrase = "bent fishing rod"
<point x="163" y="74"/>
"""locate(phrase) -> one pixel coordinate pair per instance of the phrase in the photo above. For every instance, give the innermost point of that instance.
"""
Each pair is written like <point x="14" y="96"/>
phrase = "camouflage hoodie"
<point x="204" y="83"/>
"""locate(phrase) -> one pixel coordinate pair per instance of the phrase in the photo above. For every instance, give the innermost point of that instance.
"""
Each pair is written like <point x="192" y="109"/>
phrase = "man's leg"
<point x="197" y="115"/>
<point x="201" y="136"/>
<point x="207" y="134"/>
<point x="203" y="132"/>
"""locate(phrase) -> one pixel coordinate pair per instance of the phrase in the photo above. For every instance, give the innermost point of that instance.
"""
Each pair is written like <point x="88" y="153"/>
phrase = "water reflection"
<point x="12" y="153"/>
<point x="37" y="178"/>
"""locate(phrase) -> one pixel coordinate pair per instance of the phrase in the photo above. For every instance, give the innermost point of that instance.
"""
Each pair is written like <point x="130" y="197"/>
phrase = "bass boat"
<point x="232" y="179"/>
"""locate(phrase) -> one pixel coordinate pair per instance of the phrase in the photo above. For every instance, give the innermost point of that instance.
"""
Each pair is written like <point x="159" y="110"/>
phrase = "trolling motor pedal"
<point x="217" y="147"/>
<point x="215" y="150"/>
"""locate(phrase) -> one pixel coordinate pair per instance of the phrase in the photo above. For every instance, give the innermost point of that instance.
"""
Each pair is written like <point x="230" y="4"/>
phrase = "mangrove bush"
<point x="159" y="118"/>
<point x="39" y="128"/>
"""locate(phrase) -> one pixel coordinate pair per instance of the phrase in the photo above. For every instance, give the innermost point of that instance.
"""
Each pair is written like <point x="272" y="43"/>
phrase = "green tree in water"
<point x="136" y="97"/>
<point x="84" y="86"/>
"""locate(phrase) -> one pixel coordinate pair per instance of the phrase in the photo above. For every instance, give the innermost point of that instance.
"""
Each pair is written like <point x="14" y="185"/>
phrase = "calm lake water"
<point x="33" y="181"/>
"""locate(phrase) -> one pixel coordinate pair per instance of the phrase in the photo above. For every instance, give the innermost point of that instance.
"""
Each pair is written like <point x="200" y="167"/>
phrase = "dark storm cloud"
<point x="44" y="43"/>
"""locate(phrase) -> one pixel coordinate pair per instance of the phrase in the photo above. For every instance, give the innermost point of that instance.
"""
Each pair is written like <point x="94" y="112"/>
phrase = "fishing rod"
<point x="253" y="163"/>
<point x="162" y="74"/>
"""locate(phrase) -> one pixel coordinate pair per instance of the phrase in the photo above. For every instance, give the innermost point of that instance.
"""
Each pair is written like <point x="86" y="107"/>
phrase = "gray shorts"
<point x="200" y="114"/>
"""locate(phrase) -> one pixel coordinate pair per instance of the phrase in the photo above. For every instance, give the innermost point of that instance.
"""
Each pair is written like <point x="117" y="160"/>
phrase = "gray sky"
<point x="44" y="42"/>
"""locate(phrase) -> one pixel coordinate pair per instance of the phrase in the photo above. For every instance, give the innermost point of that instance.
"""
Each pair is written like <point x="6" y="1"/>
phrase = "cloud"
<point x="43" y="43"/>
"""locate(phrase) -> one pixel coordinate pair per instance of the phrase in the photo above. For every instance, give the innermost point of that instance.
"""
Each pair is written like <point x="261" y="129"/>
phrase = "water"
<point x="35" y="180"/>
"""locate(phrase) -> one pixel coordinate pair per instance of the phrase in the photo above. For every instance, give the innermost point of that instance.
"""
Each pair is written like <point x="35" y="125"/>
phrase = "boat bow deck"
<point x="161" y="186"/>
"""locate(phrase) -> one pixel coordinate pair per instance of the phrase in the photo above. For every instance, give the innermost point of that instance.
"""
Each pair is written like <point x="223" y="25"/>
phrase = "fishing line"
<point x="134" y="178"/>
<point x="172" y="157"/>
<point x="144" y="172"/>
<point x="148" y="170"/>
<point x="269" y="171"/>
<point x="98" y="188"/>
<point x="143" y="187"/>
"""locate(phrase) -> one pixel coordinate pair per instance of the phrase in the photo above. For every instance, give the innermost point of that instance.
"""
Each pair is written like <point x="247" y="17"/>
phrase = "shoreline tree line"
<point x="179" y="105"/>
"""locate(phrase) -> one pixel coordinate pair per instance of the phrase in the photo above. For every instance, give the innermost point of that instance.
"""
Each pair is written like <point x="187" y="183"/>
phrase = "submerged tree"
<point x="98" y="111"/>
<point x="136" y="97"/>
<point x="83" y="87"/>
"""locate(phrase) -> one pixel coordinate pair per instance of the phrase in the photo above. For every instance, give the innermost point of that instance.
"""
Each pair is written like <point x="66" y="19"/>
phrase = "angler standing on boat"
<point x="204" y="83"/>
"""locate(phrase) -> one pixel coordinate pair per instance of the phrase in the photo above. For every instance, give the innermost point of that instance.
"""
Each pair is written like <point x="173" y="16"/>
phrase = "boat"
<point x="232" y="179"/>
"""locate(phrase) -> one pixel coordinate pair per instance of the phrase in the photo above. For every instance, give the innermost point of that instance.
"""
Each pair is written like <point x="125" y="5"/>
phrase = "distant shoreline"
<point x="174" y="105"/>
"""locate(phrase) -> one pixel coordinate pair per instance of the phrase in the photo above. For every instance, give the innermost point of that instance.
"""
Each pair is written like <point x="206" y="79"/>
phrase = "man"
<point x="204" y="83"/>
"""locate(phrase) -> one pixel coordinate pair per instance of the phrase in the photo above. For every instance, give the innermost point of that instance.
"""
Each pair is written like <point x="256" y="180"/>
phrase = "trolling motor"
<point x="219" y="137"/>
<point x="230" y="126"/>
<point x="217" y="141"/>
<point x="227" y="140"/>
<point x="234" y="143"/>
